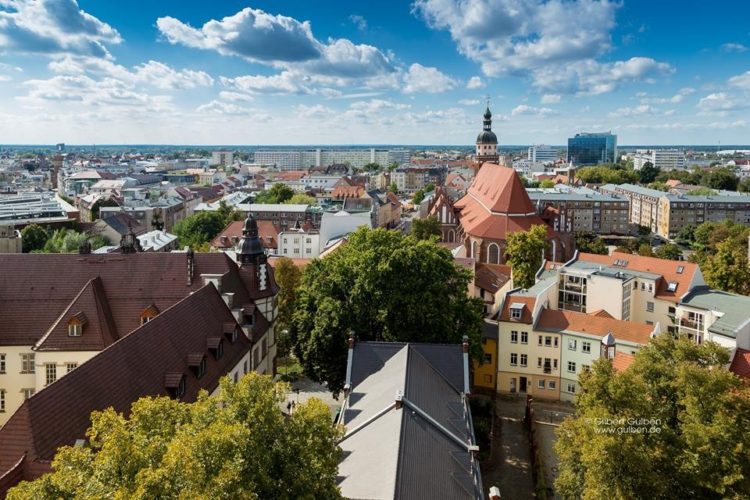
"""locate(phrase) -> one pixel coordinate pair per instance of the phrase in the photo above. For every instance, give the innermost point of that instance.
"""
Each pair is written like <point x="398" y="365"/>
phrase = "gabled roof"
<point x="141" y="364"/>
<point x="527" y="303"/>
<point x="268" y="233"/>
<point x="420" y="450"/>
<point x="552" y="320"/>
<point x="622" y="361"/>
<point x="491" y="277"/>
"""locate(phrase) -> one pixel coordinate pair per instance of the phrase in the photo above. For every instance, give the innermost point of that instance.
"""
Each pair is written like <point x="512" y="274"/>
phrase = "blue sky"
<point x="388" y="72"/>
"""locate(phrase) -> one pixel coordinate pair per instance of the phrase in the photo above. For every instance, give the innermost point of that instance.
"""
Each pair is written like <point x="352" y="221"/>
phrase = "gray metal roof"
<point x="736" y="309"/>
<point x="420" y="450"/>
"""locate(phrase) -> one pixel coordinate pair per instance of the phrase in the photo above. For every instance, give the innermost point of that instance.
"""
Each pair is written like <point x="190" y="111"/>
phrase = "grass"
<point x="289" y="369"/>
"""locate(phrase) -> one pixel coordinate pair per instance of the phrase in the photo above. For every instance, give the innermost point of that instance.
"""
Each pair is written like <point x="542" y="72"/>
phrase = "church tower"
<point x="251" y="256"/>
<point x="487" y="141"/>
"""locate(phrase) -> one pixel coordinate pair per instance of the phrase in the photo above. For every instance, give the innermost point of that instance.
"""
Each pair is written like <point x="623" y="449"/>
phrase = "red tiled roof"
<point x="571" y="321"/>
<point x="666" y="268"/>
<point x="342" y="191"/>
<point x="741" y="363"/>
<point x="140" y="364"/>
<point x="622" y="361"/>
<point x="491" y="277"/>
<point x="528" y="308"/>
<point x="127" y="282"/>
<point x="268" y="233"/>
<point x="601" y="313"/>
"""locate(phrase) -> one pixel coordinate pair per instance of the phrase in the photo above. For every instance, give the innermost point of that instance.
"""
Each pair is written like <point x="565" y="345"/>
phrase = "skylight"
<point x="672" y="286"/>
<point x="680" y="269"/>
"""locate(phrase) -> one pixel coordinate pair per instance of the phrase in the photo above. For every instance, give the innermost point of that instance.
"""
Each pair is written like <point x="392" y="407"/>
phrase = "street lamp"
<point x="285" y="334"/>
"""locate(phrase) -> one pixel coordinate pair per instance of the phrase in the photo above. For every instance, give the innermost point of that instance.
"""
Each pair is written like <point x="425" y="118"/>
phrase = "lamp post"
<point x="285" y="334"/>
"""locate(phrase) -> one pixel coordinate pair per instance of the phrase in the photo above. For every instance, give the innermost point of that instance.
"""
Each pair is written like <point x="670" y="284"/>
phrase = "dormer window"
<point x="197" y="363"/>
<point x="149" y="313"/>
<point x="216" y="346"/>
<point x="230" y="330"/>
<point x="174" y="382"/>
<point x="75" y="325"/>
<point x="516" y="310"/>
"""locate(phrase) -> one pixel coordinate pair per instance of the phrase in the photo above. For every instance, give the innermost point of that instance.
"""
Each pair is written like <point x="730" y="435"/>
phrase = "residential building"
<point x="542" y="153"/>
<point x="180" y="352"/>
<point x="664" y="159"/>
<point x="402" y="403"/>
<point x="300" y="243"/>
<point x="592" y="148"/>
<point x="10" y="239"/>
<point x="222" y="158"/>
<point x="157" y="241"/>
<point x="357" y="158"/>
<point x="282" y="215"/>
<point x="643" y="202"/>
<point x="485" y="373"/>
<point x="712" y="315"/>
<point x="574" y="209"/>
<point x="230" y="236"/>
<point x="283" y="160"/>
<point x="92" y="301"/>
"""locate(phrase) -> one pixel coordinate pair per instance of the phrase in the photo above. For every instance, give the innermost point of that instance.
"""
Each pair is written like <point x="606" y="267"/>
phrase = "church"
<point x="495" y="205"/>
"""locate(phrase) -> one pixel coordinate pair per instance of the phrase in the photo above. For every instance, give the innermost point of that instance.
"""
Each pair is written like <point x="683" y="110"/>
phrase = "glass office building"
<point x="592" y="149"/>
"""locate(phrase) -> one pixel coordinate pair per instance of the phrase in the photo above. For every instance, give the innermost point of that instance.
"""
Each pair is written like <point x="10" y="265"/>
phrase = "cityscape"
<point x="476" y="249"/>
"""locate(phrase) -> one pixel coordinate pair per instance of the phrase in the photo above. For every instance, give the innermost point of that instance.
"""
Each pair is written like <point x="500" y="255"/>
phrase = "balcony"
<point x="693" y="324"/>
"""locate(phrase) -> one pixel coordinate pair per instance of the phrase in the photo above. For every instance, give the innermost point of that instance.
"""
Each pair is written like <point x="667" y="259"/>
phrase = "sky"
<point x="372" y="72"/>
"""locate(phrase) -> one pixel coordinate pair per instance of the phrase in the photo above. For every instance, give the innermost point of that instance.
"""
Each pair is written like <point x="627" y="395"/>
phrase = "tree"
<point x="524" y="252"/>
<point x="646" y="250"/>
<point x="372" y="167"/>
<point x="279" y="193"/>
<point x="64" y="241"/>
<point x="648" y="173"/>
<point x="589" y="242"/>
<point x="547" y="184"/>
<point x="686" y="235"/>
<point x="429" y="187"/>
<point x="382" y="286"/>
<point x="289" y="277"/>
<point x="199" y="228"/>
<point x="728" y="269"/>
<point x="666" y="427"/>
<point x="670" y="251"/>
<point x="236" y="444"/>
<point x="721" y="178"/>
<point x="301" y="199"/>
<point x="418" y="197"/>
<point x="744" y="186"/>
<point x="33" y="237"/>
<point x="701" y="191"/>
<point x="393" y="188"/>
<point x="427" y="228"/>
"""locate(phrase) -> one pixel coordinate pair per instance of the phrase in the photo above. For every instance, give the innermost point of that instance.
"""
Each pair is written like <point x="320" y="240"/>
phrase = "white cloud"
<point x="423" y="79"/>
<point x="556" y="41"/>
<point x="285" y="82"/>
<point x="523" y="109"/>
<point x="641" y="109"/>
<point x="733" y="47"/>
<point x="228" y="95"/>
<point x="468" y="102"/>
<point x="475" y="82"/>
<point x="741" y="81"/>
<point x="551" y="98"/>
<point x="675" y="99"/>
<point x="223" y="108"/>
<point x="359" y="21"/>
<point x="317" y="111"/>
<point x="53" y="27"/>
<point x="720" y="103"/>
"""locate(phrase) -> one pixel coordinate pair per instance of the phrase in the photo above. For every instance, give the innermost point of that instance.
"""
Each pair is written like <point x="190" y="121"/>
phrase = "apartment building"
<point x="282" y="215"/>
<point x="664" y="159"/>
<point x="357" y="158"/>
<point x="575" y="209"/>
<point x="542" y="153"/>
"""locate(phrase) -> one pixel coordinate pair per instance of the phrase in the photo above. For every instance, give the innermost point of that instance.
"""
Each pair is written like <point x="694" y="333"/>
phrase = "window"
<point x="515" y="311"/>
<point x="69" y="367"/>
<point x="680" y="269"/>
<point x="538" y="362"/>
<point x="236" y="376"/>
<point x="672" y="286"/>
<point x="513" y="359"/>
<point x="539" y="337"/>
<point x="649" y="307"/>
<point x="586" y="347"/>
<point x="513" y="337"/>
<point x="524" y="360"/>
<point x="2" y="364"/>
<point x="540" y="383"/>
<point x="244" y="367"/>
<point x="27" y="393"/>
<point x="585" y="368"/>
<point x="74" y="329"/>
<point x="571" y="388"/>
<point x="180" y="389"/>
<point x="547" y="341"/>
<point x="571" y="367"/>
<point x="556" y="341"/>
<point x="524" y="337"/>
<point x="50" y="372"/>
<point x="2" y="400"/>
<point x="27" y="363"/>
<point x="554" y="363"/>
<point x="201" y="368"/>
<point x="551" y="385"/>
<point x="572" y="344"/>
<point x="487" y="357"/>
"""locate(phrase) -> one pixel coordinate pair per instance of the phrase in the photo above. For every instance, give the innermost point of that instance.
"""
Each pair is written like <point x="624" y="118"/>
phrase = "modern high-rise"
<point x="664" y="159"/>
<point x="542" y="153"/>
<point x="592" y="148"/>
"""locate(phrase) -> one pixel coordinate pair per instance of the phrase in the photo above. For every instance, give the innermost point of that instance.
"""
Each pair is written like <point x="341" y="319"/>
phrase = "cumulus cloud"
<point x="424" y="79"/>
<point x="468" y="102"/>
<point x="228" y="95"/>
<point x="523" y="109"/>
<point x="475" y="82"/>
<point x="223" y="108"/>
<point x="551" y="98"/>
<point x="641" y="109"/>
<point x="53" y="27"/>
<point x="556" y="42"/>
<point x="675" y="99"/>
<point x="720" y="103"/>
<point x="733" y="47"/>
<point x="359" y="21"/>
<point x="741" y="81"/>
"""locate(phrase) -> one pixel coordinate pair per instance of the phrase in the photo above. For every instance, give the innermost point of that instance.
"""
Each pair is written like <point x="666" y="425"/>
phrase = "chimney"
<point x="349" y="359"/>
<point x="465" y="346"/>
<point x="494" y="493"/>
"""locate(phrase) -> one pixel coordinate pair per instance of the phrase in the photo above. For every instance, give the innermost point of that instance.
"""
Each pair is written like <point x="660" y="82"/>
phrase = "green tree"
<point x="279" y="193"/>
<point x="289" y="278"/>
<point x="33" y="237"/>
<point x="670" y="251"/>
<point x="721" y="178"/>
<point x="547" y="184"/>
<point x="64" y="241"/>
<point x="418" y="197"/>
<point x="525" y="252"/>
<point x="372" y="167"/>
<point x="701" y="191"/>
<point x="199" y="228"/>
<point x="426" y="228"/>
<point x="301" y="199"/>
<point x="688" y="408"/>
<point x="646" y="250"/>
<point x="686" y="235"/>
<point x="648" y="173"/>
<point x="236" y="444"/>
<point x="393" y="166"/>
<point x="225" y="211"/>
<point x="727" y="268"/>
<point x="382" y="286"/>
<point x="393" y="188"/>
<point x="589" y="242"/>
<point x="744" y="186"/>
<point x="429" y="187"/>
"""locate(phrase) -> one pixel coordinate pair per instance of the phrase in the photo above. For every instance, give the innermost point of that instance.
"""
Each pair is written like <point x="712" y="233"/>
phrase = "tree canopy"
<point x="425" y="228"/>
<point x="279" y="193"/>
<point x="199" y="228"/>
<point x="720" y="248"/>
<point x="669" y="251"/>
<point x="672" y="425"/>
<point x="588" y="242"/>
<point x="648" y="173"/>
<point x="606" y="175"/>
<point x="382" y="286"/>
<point x="69" y="241"/>
<point x="301" y="199"/>
<point x="289" y="278"/>
<point x="418" y="197"/>
<point x="524" y="253"/>
<point x="33" y="237"/>
<point x="236" y="444"/>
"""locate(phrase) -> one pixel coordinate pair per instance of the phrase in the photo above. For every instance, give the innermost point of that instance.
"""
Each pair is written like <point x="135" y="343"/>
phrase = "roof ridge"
<point x="432" y="367"/>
